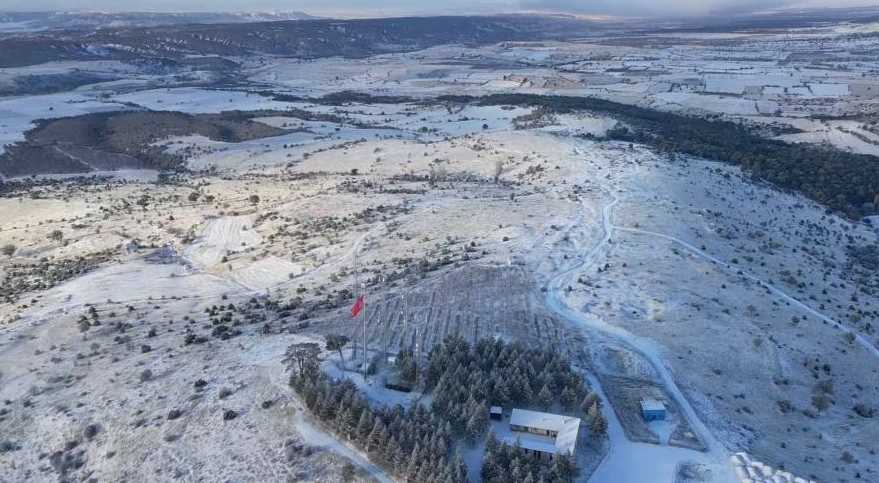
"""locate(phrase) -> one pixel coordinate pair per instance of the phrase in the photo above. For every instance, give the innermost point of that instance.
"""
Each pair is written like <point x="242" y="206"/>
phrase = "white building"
<point x="544" y="434"/>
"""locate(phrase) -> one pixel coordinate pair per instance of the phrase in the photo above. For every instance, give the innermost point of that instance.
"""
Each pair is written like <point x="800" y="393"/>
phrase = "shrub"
<point x="348" y="472"/>
<point x="8" y="447"/>
<point x="864" y="411"/>
<point x="8" y="250"/>
<point x="91" y="431"/>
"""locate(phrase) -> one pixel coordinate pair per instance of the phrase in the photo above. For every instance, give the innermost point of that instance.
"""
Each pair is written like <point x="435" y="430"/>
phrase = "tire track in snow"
<point x="866" y="344"/>
<point x="716" y="452"/>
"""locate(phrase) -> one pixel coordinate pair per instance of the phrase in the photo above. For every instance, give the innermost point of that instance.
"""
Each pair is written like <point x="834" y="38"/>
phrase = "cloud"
<point x="652" y="8"/>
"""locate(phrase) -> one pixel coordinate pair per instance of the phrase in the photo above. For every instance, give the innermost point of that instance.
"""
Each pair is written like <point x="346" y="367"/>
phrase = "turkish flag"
<point x="358" y="306"/>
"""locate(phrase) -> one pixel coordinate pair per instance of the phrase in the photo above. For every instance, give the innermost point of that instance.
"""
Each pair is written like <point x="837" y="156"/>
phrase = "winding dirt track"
<point x="617" y="467"/>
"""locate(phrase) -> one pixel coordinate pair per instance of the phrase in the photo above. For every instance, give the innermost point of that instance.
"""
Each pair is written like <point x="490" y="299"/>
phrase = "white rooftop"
<point x="536" y="419"/>
<point x="567" y="428"/>
<point x="652" y="405"/>
<point x="535" y="443"/>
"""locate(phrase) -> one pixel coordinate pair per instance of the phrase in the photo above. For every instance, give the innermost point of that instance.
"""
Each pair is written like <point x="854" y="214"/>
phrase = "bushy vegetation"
<point x="8" y="250"/>
<point x="867" y="256"/>
<point x="123" y="139"/>
<point x="23" y="277"/>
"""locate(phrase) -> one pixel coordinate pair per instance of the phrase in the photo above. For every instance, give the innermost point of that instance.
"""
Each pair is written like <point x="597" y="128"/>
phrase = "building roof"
<point x="566" y="427"/>
<point x="496" y="410"/>
<point x="544" y="445"/>
<point x="652" y="405"/>
<point x="566" y="441"/>
<point x="537" y="420"/>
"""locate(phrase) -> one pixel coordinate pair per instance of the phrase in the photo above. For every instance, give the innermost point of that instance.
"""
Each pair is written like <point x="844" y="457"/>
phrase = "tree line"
<point x="466" y="380"/>
<point x="412" y="444"/>
<point x="838" y="179"/>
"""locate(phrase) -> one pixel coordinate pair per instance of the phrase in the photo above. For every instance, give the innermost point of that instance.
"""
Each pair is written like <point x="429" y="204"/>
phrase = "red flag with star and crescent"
<point x="358" y="306"/>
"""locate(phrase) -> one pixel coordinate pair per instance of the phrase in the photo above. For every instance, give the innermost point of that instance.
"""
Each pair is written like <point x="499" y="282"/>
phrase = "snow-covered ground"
<point x="736" y="299"/>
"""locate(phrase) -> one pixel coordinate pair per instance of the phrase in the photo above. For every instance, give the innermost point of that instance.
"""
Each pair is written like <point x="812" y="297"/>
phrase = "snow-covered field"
<point x="739" y="301"/>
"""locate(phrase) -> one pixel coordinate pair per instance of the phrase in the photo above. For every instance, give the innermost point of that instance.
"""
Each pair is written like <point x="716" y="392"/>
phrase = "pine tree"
<point x="413" y="466"/>
<point x="527" y="394"/>
<point x="567" y="398"/>
<point x="599" y="425"/>
<point x="364" y="425"/>
<point x="502" y="391"/>
<point x="478" y="422"/>
<point x="544" y="398"/>
<point x="388" y="452"/>
<point x="490" y="461"/>
<point x="328" y="411"/>
<point x="459" y="468"/>
<point x="425" y="473"/>
<point x="400" y="460"/>
<point x="588" y="401"/>
<point x="563" y="468"/>
<point x="595" y="410"/>
<point x="375" y="436"/>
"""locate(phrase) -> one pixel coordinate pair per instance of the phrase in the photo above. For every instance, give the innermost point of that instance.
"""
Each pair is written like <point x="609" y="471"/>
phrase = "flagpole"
<point x="361" y="296"/>
<point x="365" y="348"/>
<point x="356" y="291"/>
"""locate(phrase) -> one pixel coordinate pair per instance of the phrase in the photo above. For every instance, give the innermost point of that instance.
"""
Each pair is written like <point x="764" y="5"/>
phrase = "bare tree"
<point x="303" y="358"/>
<point x="335" y="342"/>
<point x="498" y="170"/>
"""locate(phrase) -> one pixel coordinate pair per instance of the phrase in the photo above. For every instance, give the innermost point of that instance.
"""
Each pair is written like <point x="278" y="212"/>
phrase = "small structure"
<point x="395" y="383"/>
<point x="547" y="435"/>
<point x="496" y="413"/>
<point x="652" y="410"/>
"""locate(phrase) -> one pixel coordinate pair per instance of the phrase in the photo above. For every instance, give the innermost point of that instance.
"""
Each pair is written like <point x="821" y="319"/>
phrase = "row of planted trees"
<point x="412" y="444"/>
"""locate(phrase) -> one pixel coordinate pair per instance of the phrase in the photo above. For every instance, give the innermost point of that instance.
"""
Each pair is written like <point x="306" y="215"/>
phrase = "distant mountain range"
<point x="165" y="39"/>
<point x="43" y="21"/>
<point x="298" y="38"/>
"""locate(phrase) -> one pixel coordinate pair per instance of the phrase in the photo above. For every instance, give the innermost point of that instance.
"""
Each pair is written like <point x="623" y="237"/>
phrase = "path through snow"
<point x="627" y="461"/>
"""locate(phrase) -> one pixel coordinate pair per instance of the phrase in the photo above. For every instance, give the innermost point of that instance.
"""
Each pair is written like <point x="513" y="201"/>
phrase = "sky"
<point x="342" y="8"/>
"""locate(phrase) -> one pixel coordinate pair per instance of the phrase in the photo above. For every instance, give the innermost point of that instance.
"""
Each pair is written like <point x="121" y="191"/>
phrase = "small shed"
<point x="496" y="413"/>
<point x="394" y="383"/>
<point x="652" y="410"/>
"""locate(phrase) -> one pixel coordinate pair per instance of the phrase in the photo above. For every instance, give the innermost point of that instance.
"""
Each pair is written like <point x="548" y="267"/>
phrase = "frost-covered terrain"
<point x="144" y="317"/>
